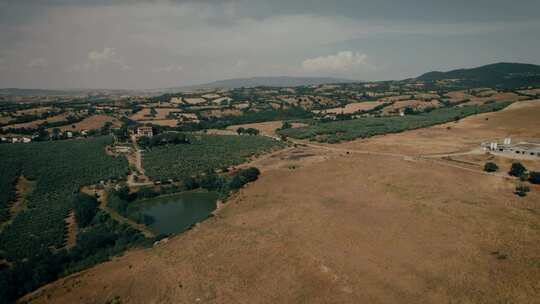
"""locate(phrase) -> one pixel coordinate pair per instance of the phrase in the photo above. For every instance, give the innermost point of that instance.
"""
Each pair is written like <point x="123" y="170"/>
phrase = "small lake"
<point x="176" y="213"/>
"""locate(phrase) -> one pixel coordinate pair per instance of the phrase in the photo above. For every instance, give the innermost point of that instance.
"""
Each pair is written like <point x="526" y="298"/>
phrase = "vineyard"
<point x="59" y="169"/>
<point x="205" y="152"/>
<point x="336" y="131"/>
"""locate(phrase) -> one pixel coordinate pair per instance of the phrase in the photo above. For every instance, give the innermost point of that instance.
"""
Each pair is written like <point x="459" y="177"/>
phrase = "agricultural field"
<point x="36" y="123"/>
<point x="204" y="152"/>
<point x="59" y="169"/>
<point x="352" y="107"/>
<point x="370" y="126"/>
<point x="414" y="105"/>
<point x="92" y="123"/>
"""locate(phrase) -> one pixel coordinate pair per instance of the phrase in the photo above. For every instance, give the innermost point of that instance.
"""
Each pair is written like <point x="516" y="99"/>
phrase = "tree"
<point x="491" y="167"/>
<point x="240" y="130"/>
<point x="243" y="177"/>
<point x="56" y="133"/>
<point x="409" y="111"/>
<point x="85" y="207"/>
<point x="286" y="125"/>
<point x="190" y="183"/>
<point x="517" y="170"/>
<point x="534" y="177"/>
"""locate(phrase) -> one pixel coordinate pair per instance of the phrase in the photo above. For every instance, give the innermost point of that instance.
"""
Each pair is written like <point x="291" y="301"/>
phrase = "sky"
<point x="136" y="44"/>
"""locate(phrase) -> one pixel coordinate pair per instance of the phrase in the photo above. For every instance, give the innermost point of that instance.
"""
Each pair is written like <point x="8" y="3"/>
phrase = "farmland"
<point x="370" y="126"/>
<point x="325" y="226"/>
<point x="59" y="169"/>
<point x="205" y="152"/>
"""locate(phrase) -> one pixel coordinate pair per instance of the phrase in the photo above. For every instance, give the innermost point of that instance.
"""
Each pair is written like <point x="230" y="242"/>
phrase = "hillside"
<point x="498" y="74"/>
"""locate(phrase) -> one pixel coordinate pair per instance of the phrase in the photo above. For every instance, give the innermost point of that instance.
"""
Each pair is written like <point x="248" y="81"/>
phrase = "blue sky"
<point x="152" y="44"/>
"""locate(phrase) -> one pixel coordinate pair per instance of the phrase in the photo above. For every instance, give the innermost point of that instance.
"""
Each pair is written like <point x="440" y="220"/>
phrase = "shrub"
<point x="521" y="190"/>
<point x="243" y="177"/>
<point x="517" y="170"/>
<point x="491" y="167"/>
<point x="534" y="177"/>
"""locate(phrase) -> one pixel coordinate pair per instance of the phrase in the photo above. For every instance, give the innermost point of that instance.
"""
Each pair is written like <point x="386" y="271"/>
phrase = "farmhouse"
<point x="529" y="149"/>
<point x="145" y="131"/>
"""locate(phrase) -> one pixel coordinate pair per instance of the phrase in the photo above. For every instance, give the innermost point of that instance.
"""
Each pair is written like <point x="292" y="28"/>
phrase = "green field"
<point x="345" y="130"/>
<point x="59" y="169"/>
<point x="205" y="152"/>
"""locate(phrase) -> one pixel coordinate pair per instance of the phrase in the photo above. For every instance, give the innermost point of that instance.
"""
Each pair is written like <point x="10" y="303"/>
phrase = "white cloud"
<point x="37" y="63"/>
<point x="167" y="69"/>
<point x="97" y="59"/>
<point x="340" y="62"/>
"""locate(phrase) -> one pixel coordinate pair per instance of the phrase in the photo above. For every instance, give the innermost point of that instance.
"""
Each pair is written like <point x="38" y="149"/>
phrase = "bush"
<point x="522" y="191"/>
<point x="517" y="170"/>
<point x="534" y="177"/>
<point x="243" y="177"/>
<point x="491" y="167"/>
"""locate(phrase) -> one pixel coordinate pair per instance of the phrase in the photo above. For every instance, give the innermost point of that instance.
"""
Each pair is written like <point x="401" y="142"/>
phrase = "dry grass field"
<point x="161" y="113"/>
<point x="352" y="107"/>
<point x="417" y="105"/>
<point x="92" y="122"/>
<point x="162" y="122"/>
<point x="36" y="123"/>
<point x="335" y="224"/>
<point x="519" y="120"/>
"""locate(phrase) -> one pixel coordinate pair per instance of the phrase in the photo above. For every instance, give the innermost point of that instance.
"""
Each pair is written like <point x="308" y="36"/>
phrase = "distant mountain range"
<point x="497" y="75"/>
<point x="67" y="92"/>
<point x="279" y="81"/>
<point x="502" y="75"/>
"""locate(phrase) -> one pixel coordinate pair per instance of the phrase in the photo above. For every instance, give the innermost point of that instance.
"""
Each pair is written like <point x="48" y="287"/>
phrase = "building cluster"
<point x="529" y="149"/>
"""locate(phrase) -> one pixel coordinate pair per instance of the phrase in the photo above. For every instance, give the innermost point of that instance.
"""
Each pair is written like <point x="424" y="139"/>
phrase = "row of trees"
<point x="247" y="131"/>
<point x="168" y="138"/>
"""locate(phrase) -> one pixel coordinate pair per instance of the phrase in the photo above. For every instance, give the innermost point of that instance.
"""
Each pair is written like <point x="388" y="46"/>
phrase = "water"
<point x="176" y="213"/>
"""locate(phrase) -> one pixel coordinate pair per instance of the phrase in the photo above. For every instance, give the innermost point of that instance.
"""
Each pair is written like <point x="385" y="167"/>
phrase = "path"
<point x="23" y="188"/>
<point x="135" y="159"/>
<point x="72" y="230"/>
<point x="435" y="159"/>
<point x="103" y="205"/>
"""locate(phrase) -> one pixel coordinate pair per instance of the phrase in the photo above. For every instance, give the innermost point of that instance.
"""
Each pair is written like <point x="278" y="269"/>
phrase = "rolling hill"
<point x="498" y="74"/>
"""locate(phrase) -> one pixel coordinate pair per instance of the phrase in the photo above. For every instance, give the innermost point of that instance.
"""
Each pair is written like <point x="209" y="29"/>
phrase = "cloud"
<point x="98" y="59"/>
<point x="167" y="69"/>
<point x="38" y="63"/>
<point x="340" y="62"/>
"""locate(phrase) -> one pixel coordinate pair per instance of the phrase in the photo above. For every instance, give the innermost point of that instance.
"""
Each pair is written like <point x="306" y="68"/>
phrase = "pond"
<point x="173" y="214"/>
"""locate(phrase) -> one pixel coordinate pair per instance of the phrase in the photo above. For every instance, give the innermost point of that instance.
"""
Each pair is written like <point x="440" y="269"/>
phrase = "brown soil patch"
<point x="72" y="230"/>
